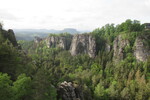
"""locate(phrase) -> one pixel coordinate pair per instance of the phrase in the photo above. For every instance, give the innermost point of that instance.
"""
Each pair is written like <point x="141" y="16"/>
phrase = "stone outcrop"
<point x="37" y="39"/>
<point x="107" y="47"/>
<point x="10" y="36"/>
<point x="83" y="44"/>
<point x="76" y="44"/>
<point x="86" y="44"/>
<point x="119" y="46"/>
<point x="1" y="26"/>
<point x="58" y="41"/>
<point x="68" y="91"/>
<point x="142" y="50"/>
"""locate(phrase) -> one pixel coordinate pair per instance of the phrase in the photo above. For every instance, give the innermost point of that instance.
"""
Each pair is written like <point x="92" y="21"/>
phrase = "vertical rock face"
<point x="142" y="50"/>
<point x="10" y="36"/>
<point x="83" y="44"/>
<point x="77" y="44"/>
<point x="37" y="39"/>
<point x="119" y="46"/>
<point x="67" y="91"/>
<point x="54" y="41"/>
<point x="107" y="47"/>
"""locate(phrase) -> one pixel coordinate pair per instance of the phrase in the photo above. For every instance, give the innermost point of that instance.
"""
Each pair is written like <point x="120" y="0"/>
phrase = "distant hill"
<point x="29" y="34"/>
<point x="69" y="30"/>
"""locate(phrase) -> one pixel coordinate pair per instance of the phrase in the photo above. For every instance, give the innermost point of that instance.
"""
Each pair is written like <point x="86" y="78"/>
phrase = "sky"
<point x="79" y="14"/>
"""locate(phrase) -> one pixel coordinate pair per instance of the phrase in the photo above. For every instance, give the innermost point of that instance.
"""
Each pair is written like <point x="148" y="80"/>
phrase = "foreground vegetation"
<point x="35" y="75"/>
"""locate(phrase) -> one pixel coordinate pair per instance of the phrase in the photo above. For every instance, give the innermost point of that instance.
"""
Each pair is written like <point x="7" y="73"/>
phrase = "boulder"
<point x="67" y="91"/>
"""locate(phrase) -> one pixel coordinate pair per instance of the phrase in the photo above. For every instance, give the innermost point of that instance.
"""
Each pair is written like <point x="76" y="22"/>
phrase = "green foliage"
<point x="106" y="34"/>
<point x="130" y="26"/>
<point x="6" y="92"/>
<point x="12" y="61"/>
<point x="26" y="45"/>
<point x="1" y="25"/>
<point x="22" y="87"/>
<point x="100" y="92"/>
<point x="42" y="86"/>
<point x="99" y="78"/>
<point x="1" y="37"/>
<point x="18" y="90"/>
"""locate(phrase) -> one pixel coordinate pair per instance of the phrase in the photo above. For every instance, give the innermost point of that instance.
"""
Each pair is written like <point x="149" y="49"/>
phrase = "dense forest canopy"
<point x="34" y="71"/>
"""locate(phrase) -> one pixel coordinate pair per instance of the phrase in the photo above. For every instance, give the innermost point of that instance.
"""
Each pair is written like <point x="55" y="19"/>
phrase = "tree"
<point x="43" y="88"/>
<point x="22" y="88"/>
<point x="99" y="92"/>
<point x="6" y="92"/>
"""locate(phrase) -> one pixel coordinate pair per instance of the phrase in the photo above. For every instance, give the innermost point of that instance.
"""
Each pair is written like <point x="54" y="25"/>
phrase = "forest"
<point x="33" y="71"/>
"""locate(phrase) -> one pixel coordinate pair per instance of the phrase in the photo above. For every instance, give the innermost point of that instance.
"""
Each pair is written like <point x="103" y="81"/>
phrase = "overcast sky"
<point x="79" y="14"/>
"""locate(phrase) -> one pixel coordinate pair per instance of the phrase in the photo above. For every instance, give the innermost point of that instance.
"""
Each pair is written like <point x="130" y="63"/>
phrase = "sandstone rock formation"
<point x="67" y="91"/>
<point x="83" y="44"/>
<point x="10" y="36"/>
<point x="37" y="39"/>
<point x="142" y="50"/>
<point x="119" y="46"/>
<point x="77" y="44"/>
<point x="107" y="47"/>
<point x="58" y="41"/>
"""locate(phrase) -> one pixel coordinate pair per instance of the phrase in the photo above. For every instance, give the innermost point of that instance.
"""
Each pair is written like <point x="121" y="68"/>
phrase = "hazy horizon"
<point x="77" y="14"/>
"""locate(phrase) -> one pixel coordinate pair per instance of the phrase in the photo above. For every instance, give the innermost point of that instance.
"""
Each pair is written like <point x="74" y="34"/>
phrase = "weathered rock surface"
<point x="37" y="39"/>
<point x="77" y="44"/>
<point x="67" y="91"/>
<point x="119" y="46"/>
<point x="83" y="44"/>
<point x="142" y="50"/>
<point x="58" y="41"/>
<point x="107" y="47"/>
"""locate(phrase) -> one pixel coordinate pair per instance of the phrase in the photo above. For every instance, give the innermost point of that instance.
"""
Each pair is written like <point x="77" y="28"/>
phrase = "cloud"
<point x="81" y="14"/>
<point x="5" y="15"/>
<point x="147" y="3"/>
